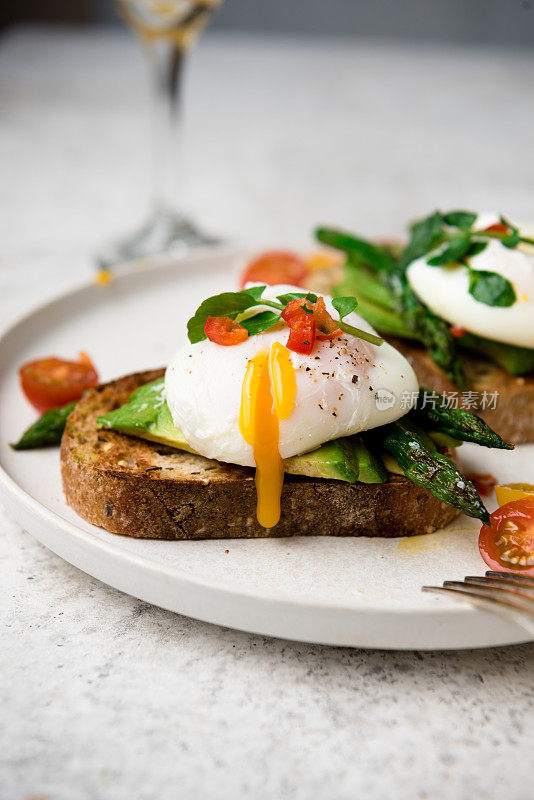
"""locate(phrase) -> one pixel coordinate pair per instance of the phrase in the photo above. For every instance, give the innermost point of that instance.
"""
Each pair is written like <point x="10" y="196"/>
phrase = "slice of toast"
<point x="505" y="401"/>
<point x="135" y="487"/>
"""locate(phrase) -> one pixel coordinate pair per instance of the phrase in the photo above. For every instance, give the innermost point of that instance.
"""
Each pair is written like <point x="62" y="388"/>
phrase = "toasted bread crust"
<point x="134" y="487"/>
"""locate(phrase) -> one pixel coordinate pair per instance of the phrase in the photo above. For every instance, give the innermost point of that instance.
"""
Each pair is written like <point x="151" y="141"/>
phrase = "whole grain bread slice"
<point x="135" y="487"/>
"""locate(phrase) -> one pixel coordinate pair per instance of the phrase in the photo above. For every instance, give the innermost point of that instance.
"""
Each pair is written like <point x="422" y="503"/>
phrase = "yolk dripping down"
<point x="267" y="396"/>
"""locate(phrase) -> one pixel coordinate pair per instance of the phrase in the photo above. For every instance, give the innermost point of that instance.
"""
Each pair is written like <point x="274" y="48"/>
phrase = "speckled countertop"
<point x="103" y="696"/>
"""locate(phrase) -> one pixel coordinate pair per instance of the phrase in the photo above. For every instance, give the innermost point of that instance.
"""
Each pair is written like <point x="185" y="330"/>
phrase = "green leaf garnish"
<point x="513" y="238"/>
<point x="491" y="288"/>
<point x="451" y="251"/>
<point x="344" y="305"/>
<point x="287" y="298"/>
<point x="232" y="304"/>
<point x="254" y="291"/>
<point x="426" y="235"/>
<point x="460" y="219"/>
<point x="260" y="322"/>
<point x="475" y="248"/>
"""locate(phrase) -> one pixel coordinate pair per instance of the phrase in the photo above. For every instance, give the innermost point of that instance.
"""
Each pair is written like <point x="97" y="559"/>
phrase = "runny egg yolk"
<point x="267" y="396"/>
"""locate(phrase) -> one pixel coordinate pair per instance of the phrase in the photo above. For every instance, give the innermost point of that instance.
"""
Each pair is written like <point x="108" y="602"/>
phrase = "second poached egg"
<point x="445" y="290"/>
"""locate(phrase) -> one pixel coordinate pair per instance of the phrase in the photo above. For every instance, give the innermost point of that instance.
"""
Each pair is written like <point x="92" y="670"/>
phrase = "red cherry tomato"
<point x="225" y="331"/>
<point x="507" y="545"/>
<point x="297" y="309"/>
<point x="497" y="227"/>
<point x="325" y="325"/>
<point x="51" y="382"/>
<point x="456" y="331"/>
<point x="484" y="482"/>
<point x="298" y="316"/>
<point x="276" y="266"/>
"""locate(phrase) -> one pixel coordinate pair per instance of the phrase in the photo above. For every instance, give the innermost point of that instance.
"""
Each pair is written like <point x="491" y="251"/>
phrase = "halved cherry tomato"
<point x="51" y="382"/>
<point x="508" y="544"/>
<point x="456" y="331"/>
<point x="326" y="326"/>
<point x="225" y="331"/>
<point x="497" y="227"/>
<point x="276" y="266"/>
<point x="298" y="316"/>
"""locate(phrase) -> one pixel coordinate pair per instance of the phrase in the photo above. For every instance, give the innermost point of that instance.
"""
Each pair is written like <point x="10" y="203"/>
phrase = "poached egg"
<point x="445" y="290"/>
<point x="257" y="403"/>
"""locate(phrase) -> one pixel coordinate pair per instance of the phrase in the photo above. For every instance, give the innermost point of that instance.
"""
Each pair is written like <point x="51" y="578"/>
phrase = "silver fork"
<point x="502" y="592"/>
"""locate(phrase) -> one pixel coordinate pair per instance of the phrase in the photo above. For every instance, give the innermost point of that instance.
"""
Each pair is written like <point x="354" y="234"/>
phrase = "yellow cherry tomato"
<point x="324" y="259"/>
<point x="513" y="491"/>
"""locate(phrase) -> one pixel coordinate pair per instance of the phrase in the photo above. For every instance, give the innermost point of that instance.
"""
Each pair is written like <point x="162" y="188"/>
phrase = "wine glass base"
<point x="164" y="232"/>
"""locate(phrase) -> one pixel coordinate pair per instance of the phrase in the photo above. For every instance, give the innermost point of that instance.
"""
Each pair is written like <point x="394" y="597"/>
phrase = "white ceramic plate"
<point x="359" y="592"/>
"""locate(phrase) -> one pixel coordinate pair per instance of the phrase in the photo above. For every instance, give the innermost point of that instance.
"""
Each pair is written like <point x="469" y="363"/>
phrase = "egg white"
<point x="445" y="290"/>
<point x="336" y="390"/>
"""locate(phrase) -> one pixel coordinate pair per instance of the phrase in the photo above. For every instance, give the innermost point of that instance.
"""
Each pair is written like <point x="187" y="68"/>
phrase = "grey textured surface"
<point x="106" y="698"/>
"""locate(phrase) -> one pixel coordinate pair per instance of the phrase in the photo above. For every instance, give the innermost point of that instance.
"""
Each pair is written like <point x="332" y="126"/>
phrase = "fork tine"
<point x="505" y="583"/>
<point x="511" y="576"/>
<point x="522" y="612"/>
<point x="501" y="594"/>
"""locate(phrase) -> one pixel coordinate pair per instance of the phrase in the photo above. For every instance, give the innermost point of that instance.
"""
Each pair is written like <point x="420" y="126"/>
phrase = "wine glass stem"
<point x="166" y="62"/>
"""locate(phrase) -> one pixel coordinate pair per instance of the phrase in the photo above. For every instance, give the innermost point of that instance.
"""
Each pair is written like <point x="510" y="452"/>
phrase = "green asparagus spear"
<point x="46" y="431"/>
<point x="372" y="254"/>
<point x="431" y="470"/>
<point x="387" y="322"/>
<point x="432" y="410"/>
<point x="367" y="285"/>
<point x="430" y="329"/>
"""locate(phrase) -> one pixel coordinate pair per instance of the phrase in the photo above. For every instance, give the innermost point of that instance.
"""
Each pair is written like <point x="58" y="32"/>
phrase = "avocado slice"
<point x="346" y="459"/>
<point x="371" y="467"/>
<point x="146" y="415"/>
<point x="335" y="460"/>
<point x="442" y="439"/>
<point x="391" y="464"/>
<point x="515" y="360"/>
